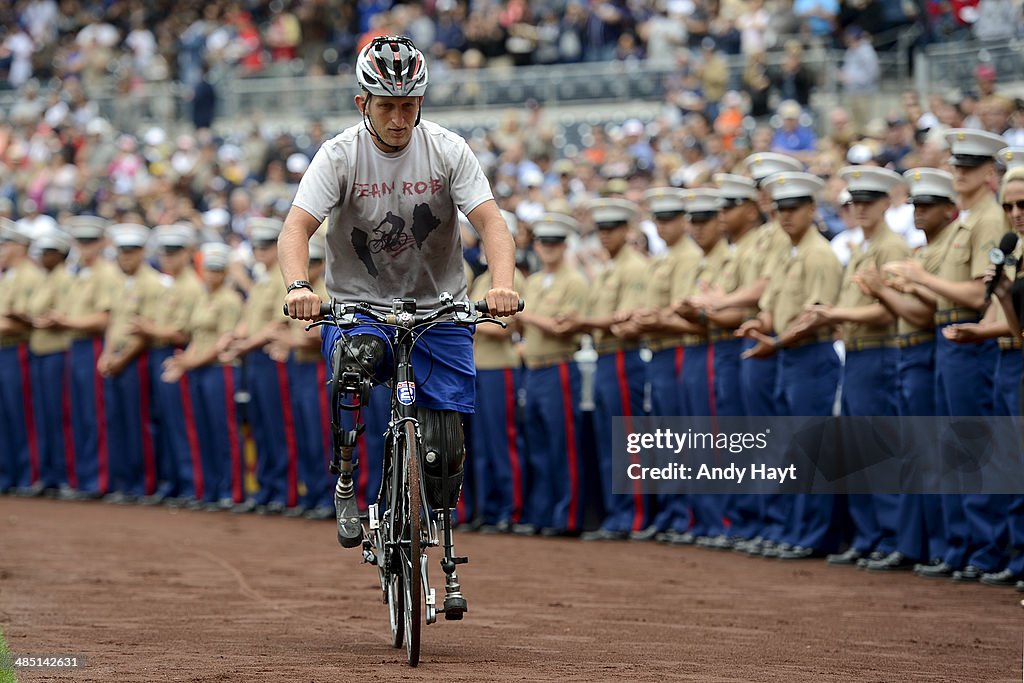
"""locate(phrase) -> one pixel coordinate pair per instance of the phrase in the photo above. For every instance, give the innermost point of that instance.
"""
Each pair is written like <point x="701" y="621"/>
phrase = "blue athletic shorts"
<point x="442" y="363"/>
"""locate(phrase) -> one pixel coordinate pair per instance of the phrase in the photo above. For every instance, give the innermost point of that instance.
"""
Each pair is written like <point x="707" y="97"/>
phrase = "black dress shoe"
<point x="33" y="491"/>
<point x="248" y="506"/>
<point x="604" y="535"/>
<point x="1002" y="579"/>
<point x="844" y="559"/>
<point x="968" y="574"/>
<point x="941" y="570"/>
<point x="875" y="556"/>
<point x="685" y="538"/>
<point x="296" y="511"/>
<point x="1019" y="587"/>
<point x="502" y="527"/>
<point x="772" y="550"/>
<point x="525" y="529"/>
<point x="647" y="534"/>
<point x="894" y="561"/>
<point x="554" y="532"/>
<point x="797" y="552"/>
<point x="319" y="513"/>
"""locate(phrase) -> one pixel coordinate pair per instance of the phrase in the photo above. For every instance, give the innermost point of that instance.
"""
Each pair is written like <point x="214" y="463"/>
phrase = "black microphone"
<point x="1000" y="257"/>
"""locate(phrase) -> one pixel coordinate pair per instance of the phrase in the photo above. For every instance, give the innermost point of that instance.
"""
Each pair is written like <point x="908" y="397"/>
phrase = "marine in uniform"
<point x="85" y="314"/>
<point x="124" y="364"/>
<point x="869" y="387"/>
<point x="975" y="524"/>
<point x="554" y="495"/>
<point x="270" y="408"/>
<point x="48" y="347"/>
<point x="619" y="380"/>
<point x="19" y="445"/>
<point x="497" y="455"/>
<point x="663" y="336"/>
<point x="920" y="535"/>
<point x="166" y="330"/>
<point x="808" y="365"/>
<point x="212" y="384"/>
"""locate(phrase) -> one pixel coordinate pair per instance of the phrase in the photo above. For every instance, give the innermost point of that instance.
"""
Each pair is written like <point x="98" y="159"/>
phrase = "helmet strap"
<point x="369" y="125"/>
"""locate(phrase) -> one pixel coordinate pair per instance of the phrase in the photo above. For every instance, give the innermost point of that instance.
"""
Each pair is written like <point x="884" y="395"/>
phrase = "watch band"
<point x="300" y="284"/>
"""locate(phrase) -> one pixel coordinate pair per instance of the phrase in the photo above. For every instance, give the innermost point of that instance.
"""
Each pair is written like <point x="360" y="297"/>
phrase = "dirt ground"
<point x="154" y="594"/>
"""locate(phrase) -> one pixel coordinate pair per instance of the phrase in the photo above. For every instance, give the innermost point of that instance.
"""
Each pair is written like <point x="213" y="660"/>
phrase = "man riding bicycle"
<point x="422" y="174"/>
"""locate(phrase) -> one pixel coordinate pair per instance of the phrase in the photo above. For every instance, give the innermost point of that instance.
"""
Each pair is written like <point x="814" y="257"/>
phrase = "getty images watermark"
<point x="859" y="455"/>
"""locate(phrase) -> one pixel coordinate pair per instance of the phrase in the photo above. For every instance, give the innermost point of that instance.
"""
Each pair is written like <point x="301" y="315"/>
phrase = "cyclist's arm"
<point x="293" y="256"/>
<point x="500" y="249"/>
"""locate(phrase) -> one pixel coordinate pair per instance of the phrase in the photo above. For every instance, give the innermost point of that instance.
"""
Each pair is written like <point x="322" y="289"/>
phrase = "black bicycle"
<point x="400" y="525"/>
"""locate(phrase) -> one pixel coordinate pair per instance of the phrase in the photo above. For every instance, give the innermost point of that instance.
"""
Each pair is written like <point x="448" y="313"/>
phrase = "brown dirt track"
<point x="160" y="595"/>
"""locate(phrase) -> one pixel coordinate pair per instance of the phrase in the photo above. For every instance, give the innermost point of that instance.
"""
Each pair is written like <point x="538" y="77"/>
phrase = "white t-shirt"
<point x="394" y="229"/>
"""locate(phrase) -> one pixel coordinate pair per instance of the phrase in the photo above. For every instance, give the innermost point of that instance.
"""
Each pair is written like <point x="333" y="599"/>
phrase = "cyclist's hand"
<point x="502" y="302"/>
<point x="302" y="304"/>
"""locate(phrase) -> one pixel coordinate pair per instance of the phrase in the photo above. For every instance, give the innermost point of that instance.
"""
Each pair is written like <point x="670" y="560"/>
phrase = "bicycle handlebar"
<point x="331" y="308"/>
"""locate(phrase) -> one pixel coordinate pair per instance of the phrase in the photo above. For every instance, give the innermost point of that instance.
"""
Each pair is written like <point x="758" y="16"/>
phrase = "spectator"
<point x="997" y="20"/>
<point x="714" y="76"/>
<point x="794" y="80"/>
<point x="792" y="136"/>
<point x="204" y="101"/>
<point x="818" y="15"/>
<point x="19" y="46"/>
<point x="753" y="24"/>
<point x="757" y="85"/>
<point x="860" y="75"/>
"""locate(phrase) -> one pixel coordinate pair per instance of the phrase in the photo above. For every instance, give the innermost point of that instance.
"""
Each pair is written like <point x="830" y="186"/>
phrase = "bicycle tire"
<point x="396" y="608"/>
<point x="412" y="564"/>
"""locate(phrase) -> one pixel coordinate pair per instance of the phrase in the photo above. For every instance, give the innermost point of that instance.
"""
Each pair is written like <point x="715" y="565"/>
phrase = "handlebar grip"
<point x="325" y="309"/>
<point x="481" y="306"/>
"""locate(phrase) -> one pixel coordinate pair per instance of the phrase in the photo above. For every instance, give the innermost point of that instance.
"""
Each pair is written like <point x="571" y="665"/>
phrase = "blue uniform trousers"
<point x="807" y="382"/>
<point x="870" y="388"/>
<point x="742" y="510"/>
<point x="618" y="391"/>
<point x="309" y="391"/>
<point x="698" y="386"/>
<point x="273" y="427"/>
<point x="497" y="453"/>
<point x="964" y="385"/>
<point x="89" y="416"/>
<point x="18" y="445"/>
<point x="663" y="376"/>
<point x="179" y="464"/>
<point x="920" y="534"/>
<point x="554" y="494"/>
<point x="759" y="382"/>
<point x="52" y="419"/>
<point x="130" y="429"/>
<point x="213" y="401"/>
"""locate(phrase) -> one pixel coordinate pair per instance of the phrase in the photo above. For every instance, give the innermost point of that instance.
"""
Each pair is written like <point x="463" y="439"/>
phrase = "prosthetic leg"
<point x="353" y="361"/>
<point x="443" y="458"/>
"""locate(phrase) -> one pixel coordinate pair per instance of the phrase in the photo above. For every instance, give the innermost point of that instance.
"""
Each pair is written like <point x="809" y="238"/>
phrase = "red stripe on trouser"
<point x="570" y="439"/>
<point x="30" y="423"/>
<point x="680" y="355"/>
<point x="289" y="433"/>
<point x="711" y="404"/>
<point x="69" y="436"/>
<point x="325" y="421"/>
<point x="148" y="453"/>
<point x="102" y="448"/>
<point x="234" y="443"/>
<point x="192" y="436"/>
<point x="513" y="450"/>
<point x="627" y="412"/>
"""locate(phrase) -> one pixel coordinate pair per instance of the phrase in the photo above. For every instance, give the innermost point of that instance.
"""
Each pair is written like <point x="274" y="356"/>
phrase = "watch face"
<point x="996" y="256"/>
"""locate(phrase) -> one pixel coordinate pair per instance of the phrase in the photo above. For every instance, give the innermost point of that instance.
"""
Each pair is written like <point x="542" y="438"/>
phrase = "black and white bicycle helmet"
<point x="391" y="66"/>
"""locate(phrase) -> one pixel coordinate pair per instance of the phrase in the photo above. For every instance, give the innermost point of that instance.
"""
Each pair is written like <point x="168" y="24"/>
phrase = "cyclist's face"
<point x="393" y="118"/>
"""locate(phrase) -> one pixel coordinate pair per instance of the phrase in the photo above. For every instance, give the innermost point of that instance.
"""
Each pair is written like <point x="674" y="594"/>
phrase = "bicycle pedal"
<point x="369" y="557"/>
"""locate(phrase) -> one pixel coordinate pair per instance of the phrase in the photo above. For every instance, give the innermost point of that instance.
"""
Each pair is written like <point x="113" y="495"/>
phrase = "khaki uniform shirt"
<point x="16" y="286"/>
<point x="885" y="247"/>
<point x="493" y="353"/>
<point x="264" y="305"/>
<point x="622" y="286"/>
<point x="682" y="262"/>
<point x="213" y="317"/>
<point x="141" y="296"/>
<point x="746" y="266"/>
<point x="185" y="291"/>
<point x="966" y="250"/>
<point x="93" y="291"/>
<point x="811" y="275"/>
<point x="930" y="257"/>
<point x="45" y="299"/>
<point x="551" y="295"/>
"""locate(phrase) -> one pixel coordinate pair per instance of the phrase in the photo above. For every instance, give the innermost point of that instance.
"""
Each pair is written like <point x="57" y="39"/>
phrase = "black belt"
<point x="906" y="341"/>
<point x="720" y="335"/>
<point x="868" y="343"/>
<point x="956" y="315"/>
<point x="819" y="338"/>
<point x="547" y="361"/>
<point x="1010" y="343"/>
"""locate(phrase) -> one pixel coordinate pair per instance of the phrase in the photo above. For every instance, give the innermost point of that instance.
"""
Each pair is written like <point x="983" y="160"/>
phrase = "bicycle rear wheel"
<point x="412" y="578"/>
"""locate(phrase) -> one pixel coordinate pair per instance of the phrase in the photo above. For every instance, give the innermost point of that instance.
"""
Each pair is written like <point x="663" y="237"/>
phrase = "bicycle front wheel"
<point x="411" y="573"/>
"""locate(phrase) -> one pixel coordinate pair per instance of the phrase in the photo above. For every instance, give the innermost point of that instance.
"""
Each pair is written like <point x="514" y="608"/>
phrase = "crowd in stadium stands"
<point x="67" y="175"/>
